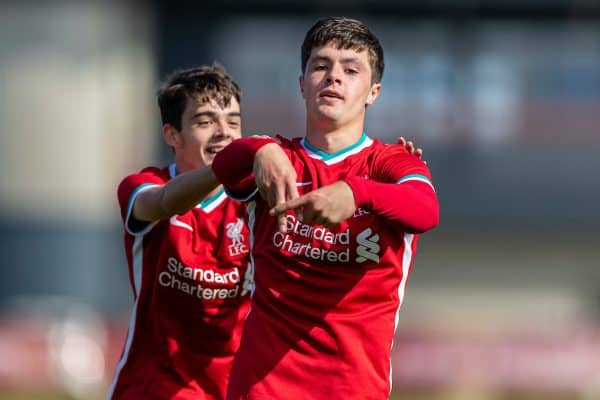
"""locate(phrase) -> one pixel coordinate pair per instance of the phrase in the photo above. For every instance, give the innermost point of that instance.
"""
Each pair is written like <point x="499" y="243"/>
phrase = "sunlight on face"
<point x="205" y="130"/>
<point x="336" y="86"/>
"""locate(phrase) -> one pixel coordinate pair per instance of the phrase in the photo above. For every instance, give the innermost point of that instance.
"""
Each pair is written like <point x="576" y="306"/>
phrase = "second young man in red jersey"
<point x="186" y="244"/>
<point x="331" y="269"/>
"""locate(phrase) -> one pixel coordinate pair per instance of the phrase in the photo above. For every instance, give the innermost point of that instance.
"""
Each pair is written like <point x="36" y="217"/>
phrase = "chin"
<point x="328" y="118"/>
<point x="323" y="110"/>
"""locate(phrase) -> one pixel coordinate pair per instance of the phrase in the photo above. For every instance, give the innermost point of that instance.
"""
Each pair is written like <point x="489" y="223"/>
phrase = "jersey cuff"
<point x="132" y="225"/>
<point x="236" y="161"/>
<point x="360" y="190"/>
<point x="241" y="195"/>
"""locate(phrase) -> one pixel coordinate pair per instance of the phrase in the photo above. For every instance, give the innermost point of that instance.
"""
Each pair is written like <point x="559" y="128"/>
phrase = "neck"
<point x="181" y="165"/>
<point x="333" y="138"/>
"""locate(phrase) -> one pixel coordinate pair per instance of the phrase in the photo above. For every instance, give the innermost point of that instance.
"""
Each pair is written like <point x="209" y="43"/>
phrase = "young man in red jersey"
<point x="334" y="232"/>
<point x="186" y="245"/>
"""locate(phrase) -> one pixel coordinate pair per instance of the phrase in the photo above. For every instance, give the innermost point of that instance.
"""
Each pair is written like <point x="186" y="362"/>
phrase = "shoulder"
<point x="146" y="176"/>
<point x="379" y="152"/>
<point x="385" y="148"/>
<point x="160" y="173"/>
<point x="153" y="174"/>
<point x="392" y="162"/>
<point x="383" y="152"/>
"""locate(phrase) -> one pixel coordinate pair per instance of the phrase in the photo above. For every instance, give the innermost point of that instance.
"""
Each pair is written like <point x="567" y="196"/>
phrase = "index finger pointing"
<point x="288" y="205"/>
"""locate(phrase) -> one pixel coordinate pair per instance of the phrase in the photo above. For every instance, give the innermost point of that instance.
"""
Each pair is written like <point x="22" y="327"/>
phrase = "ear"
<point x="373" y="93"/>
<point x="301" y="82"/>
<point x="172" y="136"/>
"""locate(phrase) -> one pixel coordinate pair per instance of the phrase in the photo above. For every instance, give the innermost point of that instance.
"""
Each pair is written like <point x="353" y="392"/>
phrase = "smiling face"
<point x="337" y="86"/>
<point x="206" y="128"/>
<point x="200" y="111"/>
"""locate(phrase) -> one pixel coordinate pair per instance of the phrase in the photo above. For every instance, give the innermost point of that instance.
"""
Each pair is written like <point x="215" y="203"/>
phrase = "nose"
<point x="335" y="74"/>
<point x="223" y="129"/>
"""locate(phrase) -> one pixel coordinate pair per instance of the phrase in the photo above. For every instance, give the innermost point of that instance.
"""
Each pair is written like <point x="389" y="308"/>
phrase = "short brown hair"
<point x="204" y="84"/>
<point x="345" y="33"/>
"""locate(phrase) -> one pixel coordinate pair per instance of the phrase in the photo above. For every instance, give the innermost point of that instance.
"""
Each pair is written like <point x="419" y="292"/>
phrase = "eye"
<point x="234" y="124"/>
<point x="320" y="67"/>
<point x="204" y="122"/>
<point x="351" y="71"/>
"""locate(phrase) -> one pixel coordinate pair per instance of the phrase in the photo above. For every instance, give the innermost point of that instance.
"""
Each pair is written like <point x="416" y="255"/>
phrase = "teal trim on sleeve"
<point x="137" y="191"/>
<point x="414" y="177"/>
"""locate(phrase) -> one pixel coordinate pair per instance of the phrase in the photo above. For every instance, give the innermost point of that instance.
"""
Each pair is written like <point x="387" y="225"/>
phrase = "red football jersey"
<point x="326" y="301"/>
<point x="189" y="276"/>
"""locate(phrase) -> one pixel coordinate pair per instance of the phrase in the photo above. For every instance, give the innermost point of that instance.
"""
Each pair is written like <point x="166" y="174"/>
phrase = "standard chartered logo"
<point x="191" y="280"/>
<point x="368" y="246"/>
<point x="315" y="242"/>
<point x="320" y="243"/>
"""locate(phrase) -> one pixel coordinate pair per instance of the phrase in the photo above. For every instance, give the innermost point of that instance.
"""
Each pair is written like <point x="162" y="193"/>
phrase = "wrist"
<point x="255" y="144"/>
<point x="360" y="190"/>
<point x="235" y="162"/>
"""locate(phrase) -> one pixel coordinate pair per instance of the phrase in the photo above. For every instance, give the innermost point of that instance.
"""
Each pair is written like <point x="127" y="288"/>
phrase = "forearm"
<point x="177" y="196"/>
<point x="412" y="204"/>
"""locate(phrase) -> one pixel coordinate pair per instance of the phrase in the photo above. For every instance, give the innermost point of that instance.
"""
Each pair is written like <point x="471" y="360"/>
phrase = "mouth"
<point x="214" y="149"/>
<point x="331" y="95"/>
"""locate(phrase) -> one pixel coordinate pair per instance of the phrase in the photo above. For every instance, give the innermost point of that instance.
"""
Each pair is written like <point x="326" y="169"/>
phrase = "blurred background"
<point x="503" y="96"/>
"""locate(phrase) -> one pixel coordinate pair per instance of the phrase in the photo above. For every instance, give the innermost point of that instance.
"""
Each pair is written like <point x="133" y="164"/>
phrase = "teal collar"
<point x="340" y="155"/>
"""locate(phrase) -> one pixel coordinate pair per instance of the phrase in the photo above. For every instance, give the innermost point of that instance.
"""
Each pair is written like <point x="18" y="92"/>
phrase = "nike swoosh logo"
<point x="303" y="183"/>
<point x="175" y="222"/>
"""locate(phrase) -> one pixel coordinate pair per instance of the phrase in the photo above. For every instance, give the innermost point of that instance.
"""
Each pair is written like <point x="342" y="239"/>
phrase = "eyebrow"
<point x="346" y="60"/>
<point x="212" y="114"/>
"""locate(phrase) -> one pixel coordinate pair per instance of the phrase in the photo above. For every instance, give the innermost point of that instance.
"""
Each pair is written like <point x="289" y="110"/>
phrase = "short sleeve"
<point x="128" y="190"/>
